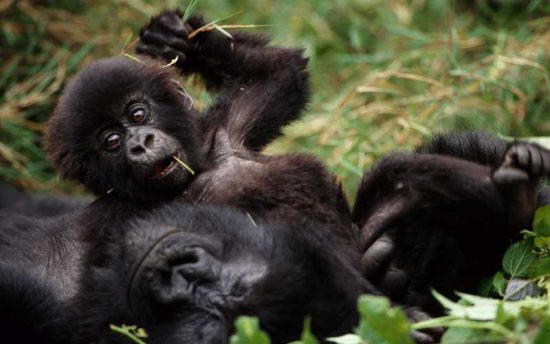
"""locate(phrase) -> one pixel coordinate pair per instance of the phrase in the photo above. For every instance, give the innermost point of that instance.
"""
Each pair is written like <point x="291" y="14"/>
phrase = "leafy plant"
<point x="134" y="333"/>
<point x="248" y="332"/>
<point x="522" y="314"/>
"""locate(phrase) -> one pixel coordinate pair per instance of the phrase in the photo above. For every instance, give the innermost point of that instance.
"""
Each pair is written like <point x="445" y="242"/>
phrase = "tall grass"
<point x="387" y="74"/>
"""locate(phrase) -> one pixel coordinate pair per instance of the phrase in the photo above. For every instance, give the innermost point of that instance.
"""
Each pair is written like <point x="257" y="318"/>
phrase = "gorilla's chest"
<point x="281" y="189"/>
<point x="234" y="181"/>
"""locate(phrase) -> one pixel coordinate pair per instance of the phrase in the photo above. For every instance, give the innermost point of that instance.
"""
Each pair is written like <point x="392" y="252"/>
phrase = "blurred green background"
<point x="387" y="74"/>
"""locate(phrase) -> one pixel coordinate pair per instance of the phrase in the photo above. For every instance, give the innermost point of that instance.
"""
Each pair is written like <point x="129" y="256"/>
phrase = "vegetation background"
<point x="387" y="74"/>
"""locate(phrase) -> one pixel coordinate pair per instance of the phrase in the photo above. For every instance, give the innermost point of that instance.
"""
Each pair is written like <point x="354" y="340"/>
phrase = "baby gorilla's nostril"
<point x="137" y="150"/>
<point x="149" y="140"/>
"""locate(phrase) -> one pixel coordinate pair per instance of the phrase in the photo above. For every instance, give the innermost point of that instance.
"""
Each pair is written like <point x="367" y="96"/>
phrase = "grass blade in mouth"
<point x="184" y="165"/>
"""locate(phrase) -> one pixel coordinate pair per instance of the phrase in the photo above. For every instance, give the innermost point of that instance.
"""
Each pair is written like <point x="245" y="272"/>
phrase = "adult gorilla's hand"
<point x="434" y="221"/>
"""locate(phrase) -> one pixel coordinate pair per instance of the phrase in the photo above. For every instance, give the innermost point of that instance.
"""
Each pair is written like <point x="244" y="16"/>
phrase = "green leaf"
<point x="463" y="335"/>
<point x="543" y="336"/>
<point x="248" y="332"/>
<point x="543" y="244"/>
<point x="132" y="332"/>
<point x="499" y="283"/>
<point x="346" y="339"/>
<point x="485" y="286"/>
<point x="541" y="223"/>
<point x="380" y="323"/>
<point x="307" y="335"/>
<point x="540" y="268"/>
<point x="518" y="258"/>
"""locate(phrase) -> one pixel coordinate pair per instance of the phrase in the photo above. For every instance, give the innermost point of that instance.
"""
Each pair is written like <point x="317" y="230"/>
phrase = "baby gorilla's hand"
<point x="167" y="37"/>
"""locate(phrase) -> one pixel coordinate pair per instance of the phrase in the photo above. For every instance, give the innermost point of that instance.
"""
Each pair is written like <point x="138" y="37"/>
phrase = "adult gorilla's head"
<point x="185" y="273"/>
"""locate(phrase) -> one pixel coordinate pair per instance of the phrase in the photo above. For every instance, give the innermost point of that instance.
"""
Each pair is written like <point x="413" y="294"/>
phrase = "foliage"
<point x="519" y="316"/>
<point x="379" y="324"/>
<point x="248" y="332"/>
<point x="134" y="333"/>
<point x="386" y="74"/>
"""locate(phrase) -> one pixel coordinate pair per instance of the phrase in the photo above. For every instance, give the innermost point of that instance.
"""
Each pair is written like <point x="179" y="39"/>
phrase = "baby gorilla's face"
<point x="185" y="273"/>
<point x="125" y="126"/>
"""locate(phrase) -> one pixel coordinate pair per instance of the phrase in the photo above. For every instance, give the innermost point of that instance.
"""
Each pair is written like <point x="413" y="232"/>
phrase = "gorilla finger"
<point x="545" y="162"/>
<point x="422" y="338"/>
<point x="395" y="281"/>
<point x="196" y="22"/>
<point x="172" y="22"/>
<point x="431" y="335"/>
<point x="523" y="156"/>
<point x="535" y="155"/>
<point x="510" y="175"/>
<point x="155" y="38"/>
<point x="377" y="257"/>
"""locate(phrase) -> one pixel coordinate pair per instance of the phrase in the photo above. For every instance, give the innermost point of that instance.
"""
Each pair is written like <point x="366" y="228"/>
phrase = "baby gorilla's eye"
<point x="112" y="141"/>
<point x="138" y="115"/>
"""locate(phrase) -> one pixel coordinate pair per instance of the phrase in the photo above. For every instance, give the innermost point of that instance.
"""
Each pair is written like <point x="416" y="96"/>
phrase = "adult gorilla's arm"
<point x="30" y="311"/>
<point x="13" y="200"/>
<point x="484" y="148"/>
<point x="435" y="221"/>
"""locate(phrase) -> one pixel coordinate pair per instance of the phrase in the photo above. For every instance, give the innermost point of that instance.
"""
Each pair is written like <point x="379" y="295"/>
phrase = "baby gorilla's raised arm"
<point x="261" y="88"/>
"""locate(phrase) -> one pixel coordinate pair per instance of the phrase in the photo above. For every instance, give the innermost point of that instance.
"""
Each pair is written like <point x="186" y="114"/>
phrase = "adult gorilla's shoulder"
<point x="14" y="200"/>
<point x="30" y="310"/>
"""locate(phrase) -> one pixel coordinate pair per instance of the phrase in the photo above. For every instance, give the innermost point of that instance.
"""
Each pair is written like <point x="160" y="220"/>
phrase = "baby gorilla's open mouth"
<point x="165" y="166"/>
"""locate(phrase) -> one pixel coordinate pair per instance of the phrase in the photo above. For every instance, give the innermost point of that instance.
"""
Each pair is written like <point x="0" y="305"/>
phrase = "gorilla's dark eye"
<point x="112" y="141"/>
<point x="138" y="115"/>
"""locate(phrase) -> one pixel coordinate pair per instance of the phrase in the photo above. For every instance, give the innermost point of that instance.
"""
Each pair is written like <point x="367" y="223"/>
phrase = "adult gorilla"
<point x="182" y="272"/>
<point x="185" y="272"/>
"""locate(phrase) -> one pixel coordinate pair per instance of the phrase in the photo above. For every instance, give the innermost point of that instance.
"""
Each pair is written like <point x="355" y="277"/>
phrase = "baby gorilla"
<point x="124" y="126"/>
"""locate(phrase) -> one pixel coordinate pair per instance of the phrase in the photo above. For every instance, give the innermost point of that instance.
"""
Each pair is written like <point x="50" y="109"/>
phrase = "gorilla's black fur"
<point x="439" y="217"/>
<point x="442" y="217"/>
<point x="122" y="125"/>
<point x="182" y="272"/>
<point x="185" y="272"/>
<point x="14" y="200"/>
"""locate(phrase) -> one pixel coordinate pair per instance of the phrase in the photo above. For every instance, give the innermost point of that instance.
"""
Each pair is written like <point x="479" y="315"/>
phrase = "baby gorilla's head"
<point x="127" y="126"/>
<point x="184" y="273"/>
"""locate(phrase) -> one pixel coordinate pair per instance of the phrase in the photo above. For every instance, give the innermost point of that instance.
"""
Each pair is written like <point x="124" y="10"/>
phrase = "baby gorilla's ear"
<point x="187" y="100"/>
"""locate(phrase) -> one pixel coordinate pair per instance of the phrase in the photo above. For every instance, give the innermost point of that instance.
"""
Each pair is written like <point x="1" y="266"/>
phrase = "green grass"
<point x="386" y="74"/>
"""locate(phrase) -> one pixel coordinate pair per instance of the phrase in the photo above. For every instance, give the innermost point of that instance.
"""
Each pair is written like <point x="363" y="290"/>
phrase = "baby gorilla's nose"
<point x="140" y="141"/>
<point x="150" y="152"/>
